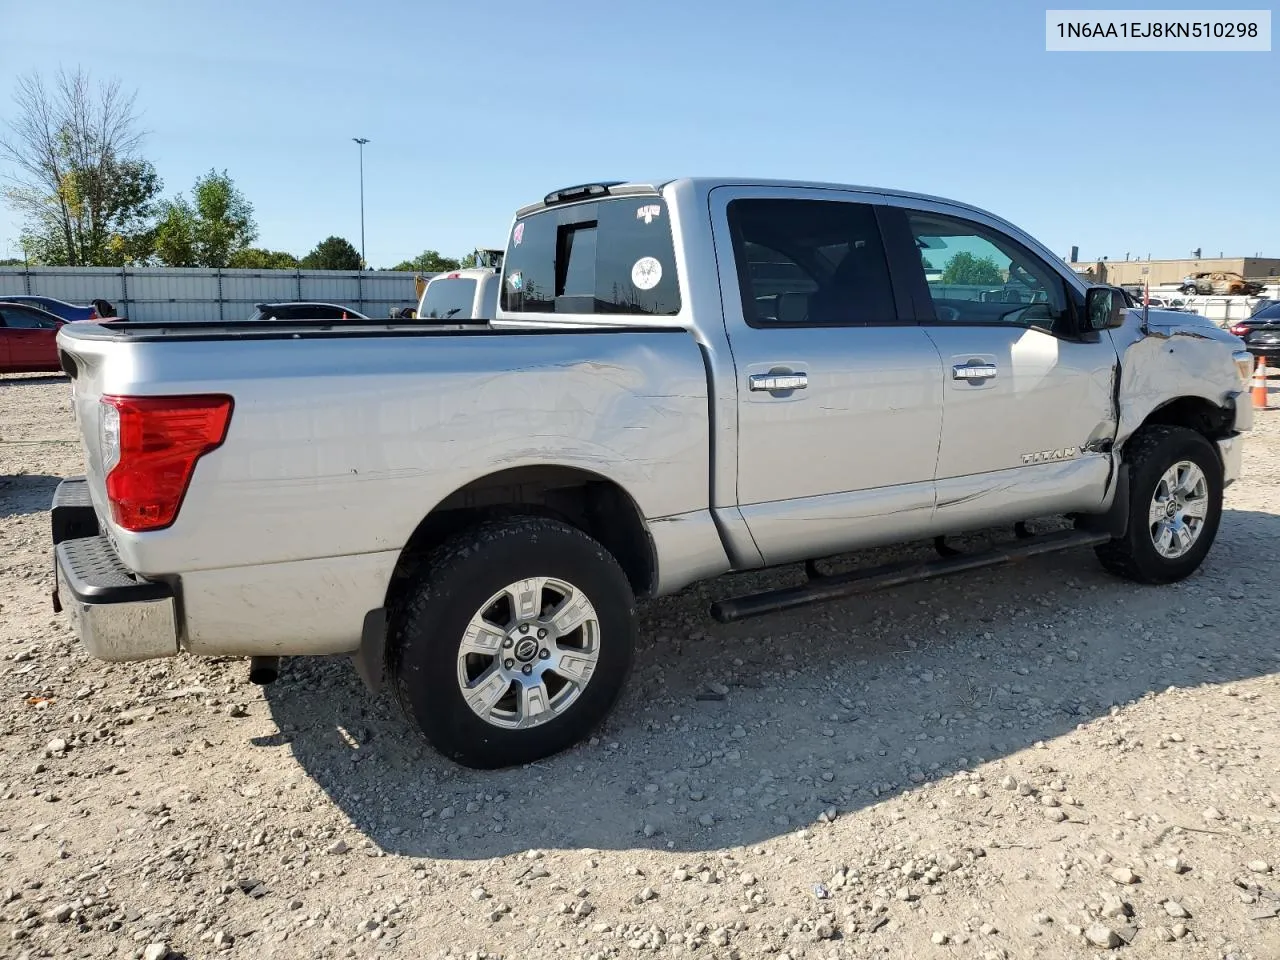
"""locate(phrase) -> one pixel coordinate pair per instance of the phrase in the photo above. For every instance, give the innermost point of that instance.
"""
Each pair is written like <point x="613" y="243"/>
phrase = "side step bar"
<point x="838" y="586"/>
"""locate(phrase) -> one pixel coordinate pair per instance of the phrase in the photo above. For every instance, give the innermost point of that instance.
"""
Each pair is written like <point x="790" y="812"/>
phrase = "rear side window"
<point x="610" y="257"/>
<point x="810" y="263"/>
<point x="1269" y="311"/>
<point x="309" y="313"/>
<point x="448" y="297"/>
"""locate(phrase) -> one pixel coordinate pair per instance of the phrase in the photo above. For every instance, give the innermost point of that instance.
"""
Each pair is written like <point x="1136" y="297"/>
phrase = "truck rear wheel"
<point x="515" y="642"/>
<point x="1175" y="506"/>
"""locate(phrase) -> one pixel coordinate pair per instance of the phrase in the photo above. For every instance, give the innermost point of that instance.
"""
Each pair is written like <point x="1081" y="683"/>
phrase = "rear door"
<point x="839" y="395"/>
<point x="5" y="333"/>
<point x="1030" y="410"/>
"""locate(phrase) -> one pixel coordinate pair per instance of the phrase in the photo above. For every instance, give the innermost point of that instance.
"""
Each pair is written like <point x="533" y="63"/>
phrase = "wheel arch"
<point x="1214" y="421"/>
<point x="590" y="501"/>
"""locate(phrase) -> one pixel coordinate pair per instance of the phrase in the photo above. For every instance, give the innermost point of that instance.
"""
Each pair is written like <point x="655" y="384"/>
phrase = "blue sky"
<point x="473" y="109"/>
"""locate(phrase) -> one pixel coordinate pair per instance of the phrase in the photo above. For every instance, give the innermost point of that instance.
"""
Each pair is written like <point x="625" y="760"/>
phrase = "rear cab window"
<point x="448" y="298"/>
<point x="610" y="256"/>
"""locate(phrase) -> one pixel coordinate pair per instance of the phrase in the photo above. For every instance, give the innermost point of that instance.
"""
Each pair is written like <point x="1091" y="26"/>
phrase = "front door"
<point x="1029" y="391"/>
<point x="839" y="399"/>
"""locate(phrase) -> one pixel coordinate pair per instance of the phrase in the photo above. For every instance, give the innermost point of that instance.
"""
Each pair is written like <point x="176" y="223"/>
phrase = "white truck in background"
<point x="462" y="296"/>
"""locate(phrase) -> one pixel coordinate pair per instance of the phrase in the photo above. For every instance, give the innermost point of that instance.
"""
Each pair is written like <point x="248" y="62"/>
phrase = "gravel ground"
<point x="1039" y="761"/>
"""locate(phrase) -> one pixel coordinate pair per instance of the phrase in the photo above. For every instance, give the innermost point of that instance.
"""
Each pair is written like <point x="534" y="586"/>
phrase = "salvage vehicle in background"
<point x="682" y="379"/>
<point x="28" y="339"/>
<point x="1220" y="283"/>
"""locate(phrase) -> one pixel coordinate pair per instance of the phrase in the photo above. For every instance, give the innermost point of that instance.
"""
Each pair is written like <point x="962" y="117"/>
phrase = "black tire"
<point x="1151" y="452"/>
<point x="459" y="577"/>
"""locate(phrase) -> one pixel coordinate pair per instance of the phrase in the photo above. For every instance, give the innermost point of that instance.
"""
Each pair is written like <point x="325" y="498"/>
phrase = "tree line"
<point x="88" y="197"/>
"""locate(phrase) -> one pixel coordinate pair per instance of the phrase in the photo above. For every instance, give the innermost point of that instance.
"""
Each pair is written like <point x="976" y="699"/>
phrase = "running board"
<point x="838" y="586"/>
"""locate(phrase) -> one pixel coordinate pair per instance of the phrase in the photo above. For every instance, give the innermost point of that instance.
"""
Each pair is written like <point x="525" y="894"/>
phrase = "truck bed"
<point x="313" y="329"/>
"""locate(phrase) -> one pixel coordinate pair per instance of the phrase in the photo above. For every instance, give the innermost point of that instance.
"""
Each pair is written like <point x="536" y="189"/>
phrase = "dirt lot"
<point x="1020" y="763"/>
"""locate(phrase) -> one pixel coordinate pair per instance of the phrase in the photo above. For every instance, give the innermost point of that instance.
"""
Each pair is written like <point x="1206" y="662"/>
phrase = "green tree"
<point x="209" y="230"/>
<point x="966" y="269"/>
<point x="10" y="262"/>
<point x="255" y="258"/>
<point x="86" y="197"/>
<point x="175" y="235"/>
<point x="332" y="253"/>
<point x="429" y="261"/>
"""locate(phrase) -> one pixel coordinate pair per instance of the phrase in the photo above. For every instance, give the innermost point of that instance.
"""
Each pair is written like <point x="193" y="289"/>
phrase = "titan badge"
<point x="1049" y="456"/>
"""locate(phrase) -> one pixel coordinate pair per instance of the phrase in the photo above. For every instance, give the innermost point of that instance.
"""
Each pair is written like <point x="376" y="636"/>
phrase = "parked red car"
<point x="28" y="339"/>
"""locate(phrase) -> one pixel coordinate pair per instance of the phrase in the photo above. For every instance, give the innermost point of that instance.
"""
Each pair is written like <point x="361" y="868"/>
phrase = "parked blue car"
<point x="98" y="310"/>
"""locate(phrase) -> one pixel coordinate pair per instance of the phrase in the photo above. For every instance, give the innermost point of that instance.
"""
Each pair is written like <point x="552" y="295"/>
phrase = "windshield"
<point x="448" y="298"/>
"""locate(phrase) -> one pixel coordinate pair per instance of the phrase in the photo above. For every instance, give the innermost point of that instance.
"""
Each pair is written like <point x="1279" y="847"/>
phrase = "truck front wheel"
<point x="514" y="643"/>
<point x="1175" y="506"/>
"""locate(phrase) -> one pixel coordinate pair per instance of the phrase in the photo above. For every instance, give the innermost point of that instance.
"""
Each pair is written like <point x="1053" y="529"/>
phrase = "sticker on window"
<point x="646" y="273"/>
<point x="518" y="233"/>
<point x="649" y="213"/>
<point x="516" y="281"/>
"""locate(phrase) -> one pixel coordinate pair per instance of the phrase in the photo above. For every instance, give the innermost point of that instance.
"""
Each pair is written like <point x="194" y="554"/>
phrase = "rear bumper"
<point x="1268" y="350"/>
<point x="118" y="615"/>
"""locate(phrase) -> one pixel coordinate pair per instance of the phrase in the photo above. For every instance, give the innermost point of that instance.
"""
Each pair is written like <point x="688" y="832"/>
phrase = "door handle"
<point x="779" y="382"/>
<point x="974" y="371"/>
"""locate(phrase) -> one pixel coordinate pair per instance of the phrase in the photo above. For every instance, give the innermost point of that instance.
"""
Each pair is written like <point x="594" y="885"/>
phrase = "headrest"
<point x="792" y="307"/>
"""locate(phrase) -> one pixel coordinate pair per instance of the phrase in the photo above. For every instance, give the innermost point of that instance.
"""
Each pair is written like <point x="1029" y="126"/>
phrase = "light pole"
<point x="361" y="141"/>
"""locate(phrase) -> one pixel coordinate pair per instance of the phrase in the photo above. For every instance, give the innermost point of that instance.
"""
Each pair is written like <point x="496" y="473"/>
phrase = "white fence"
<point x="1223" y="310"/>
<point x="173" y="294"/>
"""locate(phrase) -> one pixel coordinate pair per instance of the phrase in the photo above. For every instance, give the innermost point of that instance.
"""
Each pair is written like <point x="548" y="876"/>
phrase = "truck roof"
<point x="465" y="273"/>
<point x="620" y="188"/>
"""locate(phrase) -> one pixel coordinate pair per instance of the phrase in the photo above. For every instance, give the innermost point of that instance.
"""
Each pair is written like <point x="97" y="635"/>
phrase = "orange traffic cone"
<point x="1260" y="385"/>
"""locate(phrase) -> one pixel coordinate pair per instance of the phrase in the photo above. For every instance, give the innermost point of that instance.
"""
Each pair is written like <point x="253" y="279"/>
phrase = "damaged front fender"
<point x="1180" y="360"/>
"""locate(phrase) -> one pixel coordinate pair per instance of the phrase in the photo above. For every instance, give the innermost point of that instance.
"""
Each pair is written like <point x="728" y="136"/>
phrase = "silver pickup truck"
<point x="683" y="379"/>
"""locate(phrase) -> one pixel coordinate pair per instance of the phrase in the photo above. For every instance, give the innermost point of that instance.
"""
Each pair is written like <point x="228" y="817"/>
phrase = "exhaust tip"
<point x="264" y="670"/>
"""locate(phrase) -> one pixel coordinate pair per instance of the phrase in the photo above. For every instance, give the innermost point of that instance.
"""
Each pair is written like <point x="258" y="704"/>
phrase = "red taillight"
<point x="452" y="276"/>
<point x="157" y="441"/>
<point x="93" y="313"/>
<point x="1238" y="330"/>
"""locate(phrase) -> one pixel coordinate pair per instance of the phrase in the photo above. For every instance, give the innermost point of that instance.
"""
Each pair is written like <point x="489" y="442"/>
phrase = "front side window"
<point x="612" y="256"/>
<point x="976" y="275"/>
<point x="810" y="262"/>
<point x="20" y="319"/>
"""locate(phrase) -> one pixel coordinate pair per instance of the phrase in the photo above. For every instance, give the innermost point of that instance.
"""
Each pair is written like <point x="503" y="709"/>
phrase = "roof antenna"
<point x="1146" y="297"/>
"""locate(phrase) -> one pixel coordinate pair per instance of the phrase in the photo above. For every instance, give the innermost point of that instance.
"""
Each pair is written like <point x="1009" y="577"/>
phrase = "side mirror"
<point x="1104" y="308"/>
